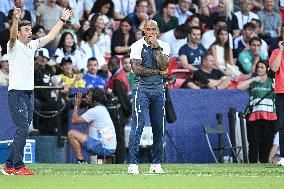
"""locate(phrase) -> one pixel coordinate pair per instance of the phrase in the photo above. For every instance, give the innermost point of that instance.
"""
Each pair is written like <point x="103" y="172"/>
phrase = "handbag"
<point x="169" y="108"/>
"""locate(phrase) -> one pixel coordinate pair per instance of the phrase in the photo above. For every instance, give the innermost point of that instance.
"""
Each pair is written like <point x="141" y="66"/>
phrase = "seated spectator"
<point x="182" y="11"/>
<point x="166" y="19"/>
<point x="4" y="30"/>
<point x="249" y="58"/>
<point x="128" y="70"/>
<point x="104" y="41"/>
<point x="241" y="42"/>
<point x="68" y="79"/>
<point x="104" y="8"/>
<point x="204" y="13"/>
<point x="48" y="14"/>
<point x="25" y="14"/>
<point x="67" y="47"/>
<point x="91" y="78"/>
<point x="138" y="34"/>
<point x="176" y="38"/>
<point x="84" y="26"/>
<point x="122" y="38"/>
<point x="4" y="70"/>
<point x="207" y="77"/>
<point x="225" y="8"/>
<point x="45" y="100"/>
<point x="272" y="22"/>
<point x="140" y="15"/>
<point x="89" y="47"/>
<point x="37" y="3"/>
<point x="190" y="53"/>
<point x="122" y="8"/>
<point x="258" y="32"/>
<point x="193" y="21"/>
<point x="38" y="32"/>
<point x="223" y="54"/>
<point x="101" y="137"/>
<point x="210" y="36"/>
<point x="245" y="14"/>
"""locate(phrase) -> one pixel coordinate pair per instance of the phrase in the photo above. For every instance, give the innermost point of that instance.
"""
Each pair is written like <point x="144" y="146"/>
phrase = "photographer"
<point x="101" y="138"/>
<point x="119" y="86"/>
<point x="261" y="121"/>
<point x="276" y="63"/>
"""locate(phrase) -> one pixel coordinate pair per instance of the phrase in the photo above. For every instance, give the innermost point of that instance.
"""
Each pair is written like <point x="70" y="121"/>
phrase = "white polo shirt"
<point x="21" y="65"/>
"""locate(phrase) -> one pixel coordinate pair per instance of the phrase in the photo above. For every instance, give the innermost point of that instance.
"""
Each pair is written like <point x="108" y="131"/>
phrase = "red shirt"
<point x="279" y="75"/>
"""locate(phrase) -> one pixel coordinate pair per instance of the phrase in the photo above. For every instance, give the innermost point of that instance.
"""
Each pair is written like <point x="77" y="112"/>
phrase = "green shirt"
<point x="246" y="61"/>
<point x="164" y="27"/>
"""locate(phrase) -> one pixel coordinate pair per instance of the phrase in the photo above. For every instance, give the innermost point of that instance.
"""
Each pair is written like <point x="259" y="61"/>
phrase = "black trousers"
<point x="260" y="134"/>
<point x="279" y="101"/>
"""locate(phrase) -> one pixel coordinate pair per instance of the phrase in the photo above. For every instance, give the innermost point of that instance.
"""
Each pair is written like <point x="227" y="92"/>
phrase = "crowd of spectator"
<point x="219" y="41"/>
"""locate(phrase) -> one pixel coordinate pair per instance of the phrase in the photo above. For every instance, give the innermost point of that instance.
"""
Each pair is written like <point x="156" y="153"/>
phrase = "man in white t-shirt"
<point x="21" y="50"/>
<point x="101" y="137"/>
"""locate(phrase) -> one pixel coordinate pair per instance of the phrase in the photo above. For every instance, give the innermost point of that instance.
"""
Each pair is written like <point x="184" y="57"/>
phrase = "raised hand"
<point x="17" y="12"/>
<point x="78" y="99"/>
<point x="66" y="14"/>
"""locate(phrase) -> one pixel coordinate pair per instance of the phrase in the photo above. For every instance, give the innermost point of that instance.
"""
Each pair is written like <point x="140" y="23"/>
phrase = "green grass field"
<point x="225" y="176"/>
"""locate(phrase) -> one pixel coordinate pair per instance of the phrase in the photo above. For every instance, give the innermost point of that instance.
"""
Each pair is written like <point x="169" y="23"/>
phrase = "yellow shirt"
<point x="71" y="83"/>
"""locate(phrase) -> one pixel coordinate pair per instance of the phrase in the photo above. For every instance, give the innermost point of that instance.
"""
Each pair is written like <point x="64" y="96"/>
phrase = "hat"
<point x="65" y="59"/>
<point x="42" y="52"/>
<point x="4" y="58"/>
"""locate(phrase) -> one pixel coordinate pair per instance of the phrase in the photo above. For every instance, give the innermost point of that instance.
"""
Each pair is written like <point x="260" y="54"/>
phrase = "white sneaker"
<point x="133" y="169"/>
<point x="280" y="162"/>
<point x="156" y="168"/>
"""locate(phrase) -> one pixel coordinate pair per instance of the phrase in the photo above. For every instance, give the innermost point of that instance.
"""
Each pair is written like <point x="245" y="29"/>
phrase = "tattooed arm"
<point x="140" y="70"/>
<point x="162" y="60"/>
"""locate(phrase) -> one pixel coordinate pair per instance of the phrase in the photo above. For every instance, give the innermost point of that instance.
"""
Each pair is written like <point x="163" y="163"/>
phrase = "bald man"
<point x="149" y="58"/>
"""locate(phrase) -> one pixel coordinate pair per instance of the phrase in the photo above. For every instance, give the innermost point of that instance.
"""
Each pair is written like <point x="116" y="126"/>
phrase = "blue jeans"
<point x="21" y="104"/>
<point x="154" y="103"/>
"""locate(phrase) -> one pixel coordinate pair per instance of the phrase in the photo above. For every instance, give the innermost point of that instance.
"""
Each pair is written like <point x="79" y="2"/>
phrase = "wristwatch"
<point x="63" y="20"/>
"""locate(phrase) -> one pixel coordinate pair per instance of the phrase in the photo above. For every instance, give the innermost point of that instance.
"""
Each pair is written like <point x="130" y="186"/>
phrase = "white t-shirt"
<point x="243" y="19"/>
<point x="124" y="7"/>
<point x="101" y="126"/>
<point x="21" y="65"/>
<point x="76" y="58"/>
<point x="175" y="44"/>
<point x="88" y="53"/>
<point x="104" y="44"/>
<point x="208" y="39"/>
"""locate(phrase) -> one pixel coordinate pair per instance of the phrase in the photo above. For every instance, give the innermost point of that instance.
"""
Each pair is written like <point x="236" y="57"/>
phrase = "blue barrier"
<point x="194" y="108"/>
<point x="7" y="130"/>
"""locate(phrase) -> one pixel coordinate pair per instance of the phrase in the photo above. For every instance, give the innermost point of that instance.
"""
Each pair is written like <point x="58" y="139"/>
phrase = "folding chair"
<point x="221" y="132"/>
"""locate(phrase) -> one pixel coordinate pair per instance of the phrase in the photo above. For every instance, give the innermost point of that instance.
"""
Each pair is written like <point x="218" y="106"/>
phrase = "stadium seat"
<point x="172" y="65"/>
<point x="281" y="11"/>
<point x="181" y="73"/>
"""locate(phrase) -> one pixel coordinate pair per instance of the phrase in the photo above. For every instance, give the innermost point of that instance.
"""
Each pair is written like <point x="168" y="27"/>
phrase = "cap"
<point x="42" y="52"/>
<point x="65" y="59"/>
<point x="4" y="58"/>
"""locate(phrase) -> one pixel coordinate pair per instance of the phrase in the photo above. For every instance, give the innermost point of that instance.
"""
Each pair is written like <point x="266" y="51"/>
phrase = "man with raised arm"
<point x="149" y="58"/>
<point x="21" y="51"/>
